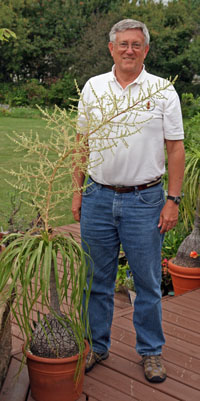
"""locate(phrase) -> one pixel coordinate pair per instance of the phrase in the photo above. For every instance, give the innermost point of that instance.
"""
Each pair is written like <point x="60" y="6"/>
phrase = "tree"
<point x="174" y="45"/>
<point x="46" y="30"/>
<point x="93" y="47"/>
<point x="58" y="37"/>
<point x="174" y="29"/>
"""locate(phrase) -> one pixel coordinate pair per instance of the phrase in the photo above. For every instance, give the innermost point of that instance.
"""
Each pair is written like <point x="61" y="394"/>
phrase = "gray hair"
<point x="129" y="24"/>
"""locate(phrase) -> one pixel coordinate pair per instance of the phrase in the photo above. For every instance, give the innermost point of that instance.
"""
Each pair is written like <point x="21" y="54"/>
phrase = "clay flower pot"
<point x="53" y="379"/>
<point x="184" y="278"/>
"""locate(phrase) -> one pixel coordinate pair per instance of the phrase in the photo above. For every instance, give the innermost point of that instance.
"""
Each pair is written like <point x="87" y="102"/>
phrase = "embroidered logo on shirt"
<point x="148" y="105"/>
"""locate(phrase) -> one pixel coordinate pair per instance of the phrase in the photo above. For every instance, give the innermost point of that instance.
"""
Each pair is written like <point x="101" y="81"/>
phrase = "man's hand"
<point x="76" y="205"/>
<point x="168" y="216"/>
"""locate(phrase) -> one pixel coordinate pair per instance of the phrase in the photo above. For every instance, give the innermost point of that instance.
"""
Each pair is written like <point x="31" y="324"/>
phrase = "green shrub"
<point x="13" y="94"/>
<point x="32" y="93"/>
<point x="190" y="105"/>
<point x="59" y="92"/>
<point x="124" y="279"/>
<point x="192" y="132"/>
<point x="172" y="241"/>
<point x="35" y="93"/>
<point x="20" y="94"/>
<point x="4" y="89"/>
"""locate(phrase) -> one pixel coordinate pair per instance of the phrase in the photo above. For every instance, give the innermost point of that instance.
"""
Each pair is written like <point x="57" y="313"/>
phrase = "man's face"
<point x="129" y="51"/>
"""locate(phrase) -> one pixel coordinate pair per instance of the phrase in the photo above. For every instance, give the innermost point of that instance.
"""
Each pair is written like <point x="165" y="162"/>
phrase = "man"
<point x="124" y="203"/>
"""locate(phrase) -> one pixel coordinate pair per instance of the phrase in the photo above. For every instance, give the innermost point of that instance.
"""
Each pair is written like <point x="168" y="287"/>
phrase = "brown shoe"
<point x="154" y="370"/>
<point x="93" y="358"/>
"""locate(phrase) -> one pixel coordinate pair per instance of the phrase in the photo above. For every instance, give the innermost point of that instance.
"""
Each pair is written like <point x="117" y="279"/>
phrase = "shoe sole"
<point x="156" y="379"/>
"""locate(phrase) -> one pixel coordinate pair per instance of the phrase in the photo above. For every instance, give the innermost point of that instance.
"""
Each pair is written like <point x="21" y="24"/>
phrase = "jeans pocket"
<point x="152" y="197"/>
<point x="90" y="188"/>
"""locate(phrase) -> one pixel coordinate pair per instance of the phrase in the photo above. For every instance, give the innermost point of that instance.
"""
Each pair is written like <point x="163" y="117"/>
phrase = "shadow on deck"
<point x="120" y="377"/>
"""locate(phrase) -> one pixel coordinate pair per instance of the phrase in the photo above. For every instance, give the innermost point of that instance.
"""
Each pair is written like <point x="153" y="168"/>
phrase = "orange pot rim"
<point x="192" y="271"/>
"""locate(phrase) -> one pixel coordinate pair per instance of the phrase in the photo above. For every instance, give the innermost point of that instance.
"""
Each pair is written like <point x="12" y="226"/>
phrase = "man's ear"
<point x="146" y="50"/>
<point x="110" y="46"/>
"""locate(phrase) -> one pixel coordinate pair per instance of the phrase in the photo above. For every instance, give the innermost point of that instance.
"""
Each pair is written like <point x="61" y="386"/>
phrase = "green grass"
<point x="20" y="112"/>
<point x="10" y="159"/>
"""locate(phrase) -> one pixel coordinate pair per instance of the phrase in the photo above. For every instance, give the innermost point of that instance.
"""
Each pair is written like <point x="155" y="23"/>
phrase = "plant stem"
<point x="54" y="300"/>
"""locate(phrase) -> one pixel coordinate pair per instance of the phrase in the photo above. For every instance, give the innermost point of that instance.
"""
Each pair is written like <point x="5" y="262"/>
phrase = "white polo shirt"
<point x="140" y="158"/>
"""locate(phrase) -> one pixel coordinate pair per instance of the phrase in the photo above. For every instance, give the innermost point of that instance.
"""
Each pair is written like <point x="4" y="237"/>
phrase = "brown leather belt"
<point x="130" y="189"/>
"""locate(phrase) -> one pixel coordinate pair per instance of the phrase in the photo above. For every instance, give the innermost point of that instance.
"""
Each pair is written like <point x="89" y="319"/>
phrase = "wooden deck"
<point x="120" y="377"/>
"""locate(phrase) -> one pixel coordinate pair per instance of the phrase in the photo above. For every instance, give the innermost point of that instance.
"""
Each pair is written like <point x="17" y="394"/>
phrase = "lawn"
<point x="10" y="159"/>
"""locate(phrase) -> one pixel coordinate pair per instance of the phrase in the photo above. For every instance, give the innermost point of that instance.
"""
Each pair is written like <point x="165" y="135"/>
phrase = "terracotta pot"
<point x="53" y="379"/>
<point x="184" y="278"/>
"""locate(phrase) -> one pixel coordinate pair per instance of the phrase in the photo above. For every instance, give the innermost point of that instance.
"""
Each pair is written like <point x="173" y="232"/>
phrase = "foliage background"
<point x="59" y="40"/>
<point x="62" y="40"/>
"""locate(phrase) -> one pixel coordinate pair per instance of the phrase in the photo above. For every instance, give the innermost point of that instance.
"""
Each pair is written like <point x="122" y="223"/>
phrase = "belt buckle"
<point x="119" y="188"/>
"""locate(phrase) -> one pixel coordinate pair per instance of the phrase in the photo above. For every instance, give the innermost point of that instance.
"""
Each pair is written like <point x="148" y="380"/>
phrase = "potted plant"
<point x="57" y="342"/>
<point x="30" y="263"/>
<point x="185" y="267"/>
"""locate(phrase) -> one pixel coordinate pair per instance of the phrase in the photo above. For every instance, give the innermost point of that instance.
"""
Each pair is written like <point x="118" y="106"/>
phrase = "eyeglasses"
<point x="125" y="45"/>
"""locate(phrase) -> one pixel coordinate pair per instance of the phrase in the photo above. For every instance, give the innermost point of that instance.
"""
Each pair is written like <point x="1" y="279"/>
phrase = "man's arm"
<point x="78" y="178"/>
<point x="176" y="163"/>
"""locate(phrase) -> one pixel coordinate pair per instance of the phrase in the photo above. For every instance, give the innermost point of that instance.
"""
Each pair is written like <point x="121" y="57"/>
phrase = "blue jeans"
<point x="109" y="218"/>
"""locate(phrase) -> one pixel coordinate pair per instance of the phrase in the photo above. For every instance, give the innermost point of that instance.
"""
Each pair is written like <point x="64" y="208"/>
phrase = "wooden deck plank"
<point x="180" y="373"/>
<point x="194" y="294"/>
<point x="120" y="335"/>
<point x="122" y="312"/>
<point x="175" y="385"/>
<point x="121" y="301"/>
<point x="103" y="392"/>
<point x="128" y="385"/>
<point x="189" y="303"/>
<point x="181" y="310"/>
<point x="73" y="229"/>
<point x="178" y="342"/>
<point x="182" y="333"/>
<point x="180" y="321"/>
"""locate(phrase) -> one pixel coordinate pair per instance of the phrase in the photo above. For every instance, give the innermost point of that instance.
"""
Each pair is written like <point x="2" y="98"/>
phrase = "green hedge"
<point x="32" y="93"/>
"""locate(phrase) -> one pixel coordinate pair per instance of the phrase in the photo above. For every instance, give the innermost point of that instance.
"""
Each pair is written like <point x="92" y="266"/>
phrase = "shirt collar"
<point x="139" y="80"/>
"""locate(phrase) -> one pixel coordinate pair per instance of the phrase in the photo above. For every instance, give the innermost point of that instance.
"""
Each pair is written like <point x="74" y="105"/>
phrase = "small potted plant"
<point x="185" y="267"/>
